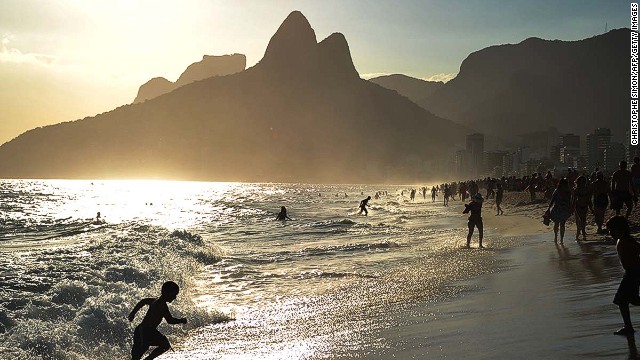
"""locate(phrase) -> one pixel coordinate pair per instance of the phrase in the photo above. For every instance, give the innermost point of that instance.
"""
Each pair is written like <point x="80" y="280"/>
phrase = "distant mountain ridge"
<point x="507" y="90"/>
<point x="301" y="114"/>
<point x="415" y="89"/>
<point x="209" y="66"/>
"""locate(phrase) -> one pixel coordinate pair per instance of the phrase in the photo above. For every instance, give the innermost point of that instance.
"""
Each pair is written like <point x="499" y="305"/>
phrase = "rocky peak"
<point x="293" y="46"/>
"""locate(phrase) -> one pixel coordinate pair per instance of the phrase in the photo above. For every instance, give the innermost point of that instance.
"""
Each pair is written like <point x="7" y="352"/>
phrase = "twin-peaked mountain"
<point x="301" y="114"/>
<point x="208" y="67"/>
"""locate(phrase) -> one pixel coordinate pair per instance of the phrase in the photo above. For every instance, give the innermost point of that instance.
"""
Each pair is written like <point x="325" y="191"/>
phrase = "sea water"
<point x="320" y="286"/>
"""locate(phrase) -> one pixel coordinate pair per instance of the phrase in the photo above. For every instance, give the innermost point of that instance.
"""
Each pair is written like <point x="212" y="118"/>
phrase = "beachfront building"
<point x="493" y="161"/>
<point x="508" y="164"/>
<point x="475" y="151"/>
<point x="612" y="156"/>
<point x="597" y="143"/>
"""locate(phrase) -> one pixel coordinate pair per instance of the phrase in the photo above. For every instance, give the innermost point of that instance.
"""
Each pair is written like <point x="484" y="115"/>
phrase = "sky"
<point x="68" y="59"/>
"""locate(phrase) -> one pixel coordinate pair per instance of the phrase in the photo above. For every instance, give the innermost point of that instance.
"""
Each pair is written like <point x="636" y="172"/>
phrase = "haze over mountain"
<point x="575" y="86"/>
<point x="301" y="114"/>
<point x="208" y="67"/>
<point x="414" y="89"/>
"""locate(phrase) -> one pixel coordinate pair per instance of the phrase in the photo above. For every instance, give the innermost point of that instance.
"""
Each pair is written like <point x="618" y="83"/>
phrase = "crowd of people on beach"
<point x="573" y="194"/>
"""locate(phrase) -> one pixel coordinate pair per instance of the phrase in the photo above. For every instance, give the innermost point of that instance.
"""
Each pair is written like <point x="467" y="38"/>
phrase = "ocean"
<point x="325" y="285"/>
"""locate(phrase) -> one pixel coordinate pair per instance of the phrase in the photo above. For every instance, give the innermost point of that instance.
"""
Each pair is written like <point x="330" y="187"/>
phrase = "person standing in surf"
<point x="283" y="214"/>
<point x="363" y="206"/>
<point x="475" y="219"/>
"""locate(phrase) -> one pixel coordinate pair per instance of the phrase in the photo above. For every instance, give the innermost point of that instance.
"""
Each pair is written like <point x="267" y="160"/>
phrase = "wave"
<point x="29" y="231"/>
<point x="73" y="302"/>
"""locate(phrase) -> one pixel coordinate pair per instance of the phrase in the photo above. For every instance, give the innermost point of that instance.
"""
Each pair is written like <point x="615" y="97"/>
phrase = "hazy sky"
<point x="67" y="59"/>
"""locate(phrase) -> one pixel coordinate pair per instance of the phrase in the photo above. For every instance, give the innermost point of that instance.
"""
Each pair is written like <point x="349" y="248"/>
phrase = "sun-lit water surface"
<point x="315" y="287"/>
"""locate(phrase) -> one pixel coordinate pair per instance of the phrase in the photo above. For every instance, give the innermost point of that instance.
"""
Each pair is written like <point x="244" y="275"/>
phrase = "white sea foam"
<point x="68" y="285"/>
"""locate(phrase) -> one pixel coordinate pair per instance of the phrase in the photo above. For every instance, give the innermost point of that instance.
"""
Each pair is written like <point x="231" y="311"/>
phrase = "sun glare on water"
<point x="170" y="204"/>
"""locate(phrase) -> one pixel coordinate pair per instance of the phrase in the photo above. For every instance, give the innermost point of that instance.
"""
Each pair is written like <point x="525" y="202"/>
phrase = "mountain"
<point x="575" y="86"/>
<point x="412" y="88"/>
<point x="209" y="66"/>
<point x="301" y="114"/>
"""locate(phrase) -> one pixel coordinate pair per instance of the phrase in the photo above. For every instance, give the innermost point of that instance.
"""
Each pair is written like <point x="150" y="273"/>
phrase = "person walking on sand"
<point x="499" y="196"/>
<point x="146" y="334"/>
<point x="283" y="214"/>
<point x="560" y="208"/>
<point x="621" y="190"/>
<point x="629" y="255"/>
<point x="601" y="191"/>
<point x="433" y="194"/>
<point x="363" y="206"/>
<point x="475" y="219"/>
<point x="581" y="202"/>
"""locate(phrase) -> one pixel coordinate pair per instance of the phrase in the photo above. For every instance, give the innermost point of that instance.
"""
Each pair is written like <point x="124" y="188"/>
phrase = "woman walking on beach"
<point x="559" y="207"/>
<point x="581" y="202"/>
<point x="601" y="191"/>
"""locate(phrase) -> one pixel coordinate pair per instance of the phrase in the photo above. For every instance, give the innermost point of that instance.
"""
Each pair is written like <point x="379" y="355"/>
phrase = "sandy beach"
<point x="538" y="299"/>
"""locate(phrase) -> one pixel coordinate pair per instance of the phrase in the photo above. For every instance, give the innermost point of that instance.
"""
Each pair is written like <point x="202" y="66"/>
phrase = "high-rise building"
<point x="613" y="155"/>
<point x="475" y="150"/>
<point x="493" y="160"/>
<point x="507" y="164"/>
<point x="569" y="155"/>
<point x="570" y="140"/>
<point x="597" y="143"/>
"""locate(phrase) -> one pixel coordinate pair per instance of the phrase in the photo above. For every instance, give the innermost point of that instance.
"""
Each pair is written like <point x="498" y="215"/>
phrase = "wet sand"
<point x="551" y="301"/>
<point x="545" y="300"/>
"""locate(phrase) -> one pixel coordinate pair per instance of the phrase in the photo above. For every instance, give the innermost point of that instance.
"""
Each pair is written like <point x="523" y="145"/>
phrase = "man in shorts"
<point x="623" y="193"/>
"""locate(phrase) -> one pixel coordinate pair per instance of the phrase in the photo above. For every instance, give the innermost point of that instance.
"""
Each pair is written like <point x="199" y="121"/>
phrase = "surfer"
<point x="283" y="214"/>
<point x="363" y="206"/>
<point x="146" y="334"/>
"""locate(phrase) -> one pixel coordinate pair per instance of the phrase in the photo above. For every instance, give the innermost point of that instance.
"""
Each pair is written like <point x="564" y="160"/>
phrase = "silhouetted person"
<point x="629" y="254"/>
<point x="424" y="193"/>
<point x="635" y="177"/>
<point x="475" y="219"/>
<point x="560" y="206"/>
<point x="499" y="197"/>
<point x="283" y="214"/>
<point x="473" y="188"/>
<point x="433" y="193"/>
<point x="581" y="202"/>
<point x="601" y="191"/>
<point x="98" y="219"/>
<point x="621" y="190"/>
<point x="363" y="206"/>
<point x="146" y="334"/>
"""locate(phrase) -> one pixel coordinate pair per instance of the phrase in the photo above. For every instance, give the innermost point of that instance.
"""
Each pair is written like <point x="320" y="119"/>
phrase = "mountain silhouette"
<point x="301" y="114"/>
<point x="575" y="86"/>
<point x="209" y="66"/>
<point x="415" y="89"/>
